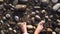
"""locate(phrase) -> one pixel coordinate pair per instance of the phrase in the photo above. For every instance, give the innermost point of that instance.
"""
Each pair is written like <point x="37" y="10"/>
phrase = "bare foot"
<point x="39" y="27"/>
<point x="23" y="27"/>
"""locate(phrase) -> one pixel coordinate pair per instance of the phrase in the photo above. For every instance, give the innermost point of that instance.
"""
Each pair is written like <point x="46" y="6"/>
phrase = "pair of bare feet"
<point x="37" y="31"/>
